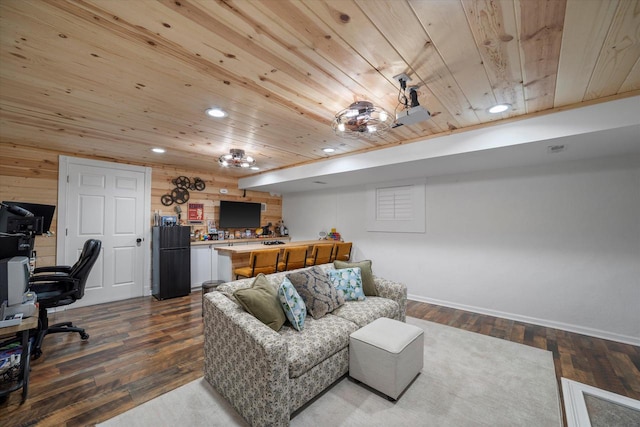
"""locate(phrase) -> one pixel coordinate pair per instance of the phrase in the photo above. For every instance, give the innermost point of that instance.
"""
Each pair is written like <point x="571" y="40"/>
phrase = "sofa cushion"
<point x="364" y="312"/>
<point x="348" y="282"/>
<point x="261" y="300"/>
<point x="292" y="303"/>
<point x="320" y="339"/>
<point x="368" y="283"/>
<point x="315" y="288"/>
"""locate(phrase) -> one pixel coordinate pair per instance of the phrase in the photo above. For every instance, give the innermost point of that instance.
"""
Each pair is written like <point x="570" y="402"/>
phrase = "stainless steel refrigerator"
<point x="171" y="254"/>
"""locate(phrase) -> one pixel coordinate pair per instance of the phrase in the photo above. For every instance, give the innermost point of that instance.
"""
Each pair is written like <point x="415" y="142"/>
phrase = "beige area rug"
<point x="468" y="379"/>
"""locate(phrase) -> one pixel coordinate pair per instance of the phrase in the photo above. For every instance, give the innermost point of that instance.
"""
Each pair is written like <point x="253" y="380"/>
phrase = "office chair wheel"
<point x="36" y="353"/>
<point x="84" y="336"/>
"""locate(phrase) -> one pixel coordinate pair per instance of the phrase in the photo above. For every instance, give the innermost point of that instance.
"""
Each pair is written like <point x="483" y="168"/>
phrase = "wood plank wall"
<point x="31" y="175"/>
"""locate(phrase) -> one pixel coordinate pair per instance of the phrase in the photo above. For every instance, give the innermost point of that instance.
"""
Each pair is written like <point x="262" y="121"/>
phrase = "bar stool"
<point x="295" y="257"/>
<point x="320" y="254"/>
<point x="208" y="286"/>
<point x="262" y="261"/>
<point x="342" y="251"/>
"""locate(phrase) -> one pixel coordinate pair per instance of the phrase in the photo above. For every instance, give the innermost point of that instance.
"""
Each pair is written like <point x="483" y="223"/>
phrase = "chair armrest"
<point x="53" y="269"/>
<point x="51" y="278"/>
<point x="394" y="291"/>
<point x="246" y="361"/>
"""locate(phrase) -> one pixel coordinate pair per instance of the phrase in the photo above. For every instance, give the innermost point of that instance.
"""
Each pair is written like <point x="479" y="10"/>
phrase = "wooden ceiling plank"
<point x="224" y="49"/>
<point x="327" y="128"/>
<point x="495" y="32"/>
<point x="288" y="50"/>
<point x="585" y="28"/>
<point x="298" y="18"/>
<point x="620" y="52"/>
<point x="111" y="79"/>
<point x="446" y="24"/>
<point x="633" y="79"/>
<point x="540" y="29"/>
<point x="299" y="45"/>
<point x="347" y="21"/>
<point x="439" y="91"/>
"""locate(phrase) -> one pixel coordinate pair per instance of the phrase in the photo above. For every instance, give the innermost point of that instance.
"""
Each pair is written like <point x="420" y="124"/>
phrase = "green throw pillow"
<point x="367" y="274"/>
<point x="261" y="300"/>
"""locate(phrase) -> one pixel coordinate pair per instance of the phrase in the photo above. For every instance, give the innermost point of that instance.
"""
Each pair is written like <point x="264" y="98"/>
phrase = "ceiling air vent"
<point x="552" y="149"/>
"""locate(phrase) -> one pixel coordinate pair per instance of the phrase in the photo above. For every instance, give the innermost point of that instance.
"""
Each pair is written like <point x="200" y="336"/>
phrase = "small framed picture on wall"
<point x="196" y="213"/>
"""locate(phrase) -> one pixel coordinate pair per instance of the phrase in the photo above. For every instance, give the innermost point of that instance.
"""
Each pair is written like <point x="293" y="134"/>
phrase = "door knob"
<point x="138" y="241"/>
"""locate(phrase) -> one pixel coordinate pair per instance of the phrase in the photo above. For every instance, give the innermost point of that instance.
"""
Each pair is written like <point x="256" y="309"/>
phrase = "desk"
<point x="232" y="257"/>
<point x="23" y="378"/>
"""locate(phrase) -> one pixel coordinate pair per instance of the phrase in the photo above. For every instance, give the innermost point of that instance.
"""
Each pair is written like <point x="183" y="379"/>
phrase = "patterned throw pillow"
<point x="292" y="303"/>
<point x="261" y="300"/>
<point x="348" y="281"/>
<point x="367" y="275"/>
<point x="316" y="290"/>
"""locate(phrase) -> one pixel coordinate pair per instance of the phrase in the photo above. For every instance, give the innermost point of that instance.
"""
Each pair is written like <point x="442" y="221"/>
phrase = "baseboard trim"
<point x="535" y="321"/>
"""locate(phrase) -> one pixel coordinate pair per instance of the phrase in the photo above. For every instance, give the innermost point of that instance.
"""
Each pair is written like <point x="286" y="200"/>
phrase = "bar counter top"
<point x="256" y="247"/>
<point x="230" y="242"/>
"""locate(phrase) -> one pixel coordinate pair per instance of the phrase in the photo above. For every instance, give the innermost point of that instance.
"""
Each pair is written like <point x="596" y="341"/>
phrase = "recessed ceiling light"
<point x="216" y="112"/>
<point x="328" y="150"/>
<point x="500" y="108"/>
<point x="158" y="150"/>
<point x="255" y="168"/>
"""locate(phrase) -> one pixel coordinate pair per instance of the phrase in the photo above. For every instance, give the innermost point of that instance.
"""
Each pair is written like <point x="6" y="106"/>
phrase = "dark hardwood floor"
<point x="142" y="348"/>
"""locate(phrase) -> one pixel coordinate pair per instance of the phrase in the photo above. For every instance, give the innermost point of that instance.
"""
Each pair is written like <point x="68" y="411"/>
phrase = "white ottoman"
<point x="386" y="355"/>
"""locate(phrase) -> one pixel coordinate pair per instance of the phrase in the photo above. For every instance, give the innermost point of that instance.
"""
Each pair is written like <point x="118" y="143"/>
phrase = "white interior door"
<point x="109" y="202"/>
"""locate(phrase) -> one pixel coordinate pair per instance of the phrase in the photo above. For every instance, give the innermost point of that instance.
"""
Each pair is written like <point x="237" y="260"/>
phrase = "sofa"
<point x="266" y="374"/>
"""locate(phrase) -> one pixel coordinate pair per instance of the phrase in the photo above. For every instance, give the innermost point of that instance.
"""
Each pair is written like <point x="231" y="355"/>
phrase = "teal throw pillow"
<point x="368" y="282"/>
<point x="348" y="281"/>
<point x="292" y="303"/>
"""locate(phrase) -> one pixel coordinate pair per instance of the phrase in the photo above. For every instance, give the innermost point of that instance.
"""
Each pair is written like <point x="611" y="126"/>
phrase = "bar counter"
<point x="232" y="257"/>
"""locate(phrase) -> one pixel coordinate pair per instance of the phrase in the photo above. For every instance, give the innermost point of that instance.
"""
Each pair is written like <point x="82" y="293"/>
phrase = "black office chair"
<point x="61" y="285"/>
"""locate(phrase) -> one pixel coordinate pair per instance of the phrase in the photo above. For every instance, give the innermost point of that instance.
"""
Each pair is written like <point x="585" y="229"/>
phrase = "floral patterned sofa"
<point x="267" y="375"/>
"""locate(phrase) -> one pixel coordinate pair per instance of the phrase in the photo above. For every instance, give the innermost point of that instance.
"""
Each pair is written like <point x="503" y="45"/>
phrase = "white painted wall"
<point x="556" y="245"/>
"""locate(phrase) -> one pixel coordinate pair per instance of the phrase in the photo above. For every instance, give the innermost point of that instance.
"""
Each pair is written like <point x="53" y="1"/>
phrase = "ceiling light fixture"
<point x="499" y="108"/>
<point x="158" y="150"/>
<point x="254" y="168"/>
<point x="216" y="112"/>
<point x="237" y="159"/>
<point x="362" y="120"/>
<point x="329" y="150"/>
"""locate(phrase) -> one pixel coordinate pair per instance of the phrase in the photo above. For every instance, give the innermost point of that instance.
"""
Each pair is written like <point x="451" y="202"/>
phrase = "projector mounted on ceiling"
<point x="411" y="113"/>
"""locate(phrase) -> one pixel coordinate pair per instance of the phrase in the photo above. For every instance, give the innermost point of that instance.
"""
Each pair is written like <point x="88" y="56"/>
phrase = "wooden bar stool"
<point x="262" y="261"/>
<point x="320" y="254"/>
<point x="295" y="257"/>
<point x="342" y="251"/>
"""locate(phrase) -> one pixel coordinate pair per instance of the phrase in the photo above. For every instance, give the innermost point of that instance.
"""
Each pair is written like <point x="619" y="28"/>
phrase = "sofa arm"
<point x="394" y="291"/>
<point x="246" y="361"/>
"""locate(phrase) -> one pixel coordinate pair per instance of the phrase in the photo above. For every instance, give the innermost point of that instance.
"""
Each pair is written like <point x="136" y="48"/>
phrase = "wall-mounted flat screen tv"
<point x="239" y="214"/>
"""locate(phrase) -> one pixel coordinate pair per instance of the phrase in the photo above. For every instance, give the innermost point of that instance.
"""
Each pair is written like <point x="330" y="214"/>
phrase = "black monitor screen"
<point x="45" y="211"/>
<point x="239" y="214"/>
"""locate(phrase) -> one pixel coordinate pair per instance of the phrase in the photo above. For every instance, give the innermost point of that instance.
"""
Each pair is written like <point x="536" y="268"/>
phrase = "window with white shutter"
<point x="394" y="203"/>
<point x="397" y="207"/>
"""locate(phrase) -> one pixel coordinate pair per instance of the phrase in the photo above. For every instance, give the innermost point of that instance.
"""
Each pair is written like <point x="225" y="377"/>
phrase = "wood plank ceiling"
<point x="113" y="79"/>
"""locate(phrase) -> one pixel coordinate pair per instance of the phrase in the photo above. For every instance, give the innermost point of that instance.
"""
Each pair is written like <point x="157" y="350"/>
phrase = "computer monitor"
<point x="14" y="279"/>
<point x="39" y="223"/>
